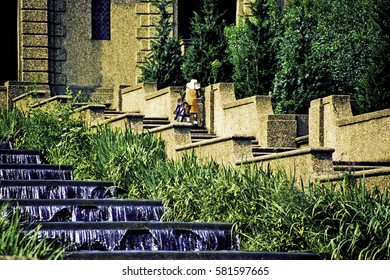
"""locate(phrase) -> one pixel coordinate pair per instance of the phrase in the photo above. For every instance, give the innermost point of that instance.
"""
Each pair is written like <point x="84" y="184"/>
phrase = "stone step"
<point x="109" y="113"/>
<point x="201" y="134"/>
<point x="192" y="255"/>
<point x="20" y="156"/>
<point x="341" y="166"/>
<point x="140" y="235"/>
<point x="88" y="210"/>
<point x="258" y="151"/>
<point x="56" y="189"/>
<point x="15" y="171"/>
<point x="153" y="122"/>
<point x="302" y="141"/>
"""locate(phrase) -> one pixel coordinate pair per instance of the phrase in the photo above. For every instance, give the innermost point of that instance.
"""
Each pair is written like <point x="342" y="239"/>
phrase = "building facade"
<point x="93" y="45"/>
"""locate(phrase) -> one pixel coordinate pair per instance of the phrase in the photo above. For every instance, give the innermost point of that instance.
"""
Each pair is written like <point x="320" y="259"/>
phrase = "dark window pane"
<point x="101" y="19"/>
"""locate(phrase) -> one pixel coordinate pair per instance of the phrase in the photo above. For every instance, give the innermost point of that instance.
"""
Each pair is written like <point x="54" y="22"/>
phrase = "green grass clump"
<point x="270" y="210"/>
<point x="18" y="244"/>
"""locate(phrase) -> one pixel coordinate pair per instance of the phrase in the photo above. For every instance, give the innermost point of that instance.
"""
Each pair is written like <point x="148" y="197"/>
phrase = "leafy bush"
<point x="331" y="47"/>
<point x="270" y="209"/>
<point x="38" y="129"/>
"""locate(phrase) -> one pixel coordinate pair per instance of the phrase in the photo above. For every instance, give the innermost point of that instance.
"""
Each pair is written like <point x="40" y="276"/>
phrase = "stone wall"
<point x="251" y="116"/>
<point x="363" y="137"/>
<point x="56" y="47"/>
<point x="146" y="99"/>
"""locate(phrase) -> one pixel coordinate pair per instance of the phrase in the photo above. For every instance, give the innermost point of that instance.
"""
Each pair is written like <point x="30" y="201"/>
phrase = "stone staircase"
<point x="349" y="166"/>
<point x="93" y="223"/>
<point x="154" y="122"/>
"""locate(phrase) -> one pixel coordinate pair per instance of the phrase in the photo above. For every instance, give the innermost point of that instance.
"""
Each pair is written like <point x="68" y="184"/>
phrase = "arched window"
<point x="101" y="25"/>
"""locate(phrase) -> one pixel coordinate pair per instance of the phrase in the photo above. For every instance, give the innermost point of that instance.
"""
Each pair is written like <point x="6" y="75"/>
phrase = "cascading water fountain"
<point x="87" y="217"/>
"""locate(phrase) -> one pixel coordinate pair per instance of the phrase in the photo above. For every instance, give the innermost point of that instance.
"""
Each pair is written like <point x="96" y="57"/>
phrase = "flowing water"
<point x="89" y="216"/>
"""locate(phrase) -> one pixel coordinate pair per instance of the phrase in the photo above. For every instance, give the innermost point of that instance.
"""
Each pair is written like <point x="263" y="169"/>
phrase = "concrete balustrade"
<point x="252" y="116"/>
<point x="363" y="137"/>
<point x="334" y="134"/>
<point x="224" y="150"/>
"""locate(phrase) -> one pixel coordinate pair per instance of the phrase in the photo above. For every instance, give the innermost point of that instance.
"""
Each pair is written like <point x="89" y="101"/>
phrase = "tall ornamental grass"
<point x="17" y="244"/>
<point x="270" y="210"/>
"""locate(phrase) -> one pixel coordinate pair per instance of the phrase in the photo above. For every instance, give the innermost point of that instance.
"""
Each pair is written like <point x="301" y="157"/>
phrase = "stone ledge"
<point x="170" y="126"/>
<point x="294" y="153"/>
<point x="364" y="117"/>
<point x="215" y="141"/>
<point x="59" y="98"/>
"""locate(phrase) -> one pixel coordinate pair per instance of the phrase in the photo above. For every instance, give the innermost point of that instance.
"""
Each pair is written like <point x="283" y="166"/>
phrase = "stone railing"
<point x="252" y="116"/>
<point x="363" y="137"/>
<point x="146" y="99"/>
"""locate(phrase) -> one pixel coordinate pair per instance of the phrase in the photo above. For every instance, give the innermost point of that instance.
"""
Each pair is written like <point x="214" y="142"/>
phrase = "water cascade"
<point x="93" y="223"/>
<point x="87" y="215"/>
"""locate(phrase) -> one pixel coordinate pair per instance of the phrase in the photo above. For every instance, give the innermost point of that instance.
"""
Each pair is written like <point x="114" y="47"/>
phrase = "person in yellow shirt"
<point x="191" y="94"/>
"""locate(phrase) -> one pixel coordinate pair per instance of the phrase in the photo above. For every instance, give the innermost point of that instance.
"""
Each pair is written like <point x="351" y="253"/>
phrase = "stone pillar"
<point x="33" y="41"/>
<point x="281" y="131"/>
<point x="323" y="116"/>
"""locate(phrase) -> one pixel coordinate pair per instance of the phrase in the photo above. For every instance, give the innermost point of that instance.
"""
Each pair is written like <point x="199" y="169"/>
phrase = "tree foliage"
<point x="164" y="65"/>
<point x="206" y="57"/>
<point x="251" y="49"/>
<point x="331" y="47"/>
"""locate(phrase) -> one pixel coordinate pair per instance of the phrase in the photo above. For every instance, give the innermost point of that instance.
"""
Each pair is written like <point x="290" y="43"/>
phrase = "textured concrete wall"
<point x="174" y="135"/>
<point x="100" y="63"/>
<point x="355" y="138"/>
<point x="252" y="116"/>
<point x="305" y="164"/>
<point x="223" y="150"/>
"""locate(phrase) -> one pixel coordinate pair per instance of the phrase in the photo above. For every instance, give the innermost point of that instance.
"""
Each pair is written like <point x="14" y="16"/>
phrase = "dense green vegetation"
<point x="163" y="67"/>
<point x="306" y="50"/>
<point x="17" y="244"/>
<point x="270" y="209"/>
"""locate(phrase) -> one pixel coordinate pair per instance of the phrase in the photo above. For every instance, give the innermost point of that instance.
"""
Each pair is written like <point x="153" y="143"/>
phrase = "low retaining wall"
<point x="305" y="164"/>
<point x="376" y="177"/>
<point x="226" y="116"/>
<point x="363" y="137"/>
<point x="132" y="121"/>
<point x="223" y="150"/>
<point x="147" y="100"/>
<point x="174" y="135"/>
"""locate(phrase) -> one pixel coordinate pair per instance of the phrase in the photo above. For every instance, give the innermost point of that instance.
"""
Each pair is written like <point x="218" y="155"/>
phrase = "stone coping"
<point x="51" y="99"/>
<point x="356" y="174"/>
<point x="121" y="117"/>
<point x="161" y="92"/>
<point x="89" y="106"/>
<point x="170" y="126"/>
<point x="364" y="117"/>
<point x="131" y="88"/>
<point x="215" y="141"/>
<point x="294" y="153"/>
<point x="240" y="102"/>
<point x="40" y="93"/>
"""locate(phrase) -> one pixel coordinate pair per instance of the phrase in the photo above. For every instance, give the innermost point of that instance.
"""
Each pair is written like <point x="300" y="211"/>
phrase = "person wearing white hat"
<point x="191" y="94"/>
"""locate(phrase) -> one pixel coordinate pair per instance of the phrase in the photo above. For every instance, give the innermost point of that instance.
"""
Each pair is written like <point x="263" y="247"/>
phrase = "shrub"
<point x="206" y="57"/>
<point x="251" y="49"/>
<point x="164" y="65"/>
